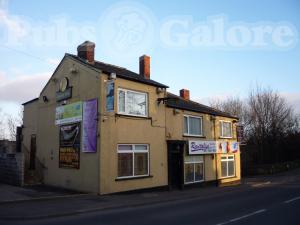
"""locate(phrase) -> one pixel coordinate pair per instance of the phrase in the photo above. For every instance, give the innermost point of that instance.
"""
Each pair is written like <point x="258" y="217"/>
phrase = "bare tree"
<point x="234" y="106"/>
<point x="13" y="123"/>
<point x="2" y="134"/>
<point x="270" y="120"/>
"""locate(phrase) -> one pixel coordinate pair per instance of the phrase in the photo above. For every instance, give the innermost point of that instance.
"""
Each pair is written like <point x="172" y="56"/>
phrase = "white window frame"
<point x="194" y="162"/>
<point x="133" y="151"/>
<point x="188" y="126"/>
<point x="222" y="131"/>
<point x="126" y="110"/>
<point x="228" y="158"/>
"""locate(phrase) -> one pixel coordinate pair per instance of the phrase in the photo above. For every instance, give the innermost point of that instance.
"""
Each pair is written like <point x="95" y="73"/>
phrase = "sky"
<point x="216" y="49"/>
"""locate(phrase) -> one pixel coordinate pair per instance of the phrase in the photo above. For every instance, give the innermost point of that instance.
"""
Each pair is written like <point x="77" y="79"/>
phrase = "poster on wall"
<point x="70" y="113"/>
<point x="69" y="146"/>
<point x="110" y="99"/>
<point x="202" y="147"/>
<point x="89" y="126"/>
<point x="222" y="147"/>
<point x="227" y="147"/>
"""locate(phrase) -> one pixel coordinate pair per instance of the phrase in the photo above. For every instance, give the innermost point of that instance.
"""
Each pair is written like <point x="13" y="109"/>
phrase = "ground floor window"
<point x="193" y="169"/>
<point x="133" y="160"/>
<point x="228" y="166"/>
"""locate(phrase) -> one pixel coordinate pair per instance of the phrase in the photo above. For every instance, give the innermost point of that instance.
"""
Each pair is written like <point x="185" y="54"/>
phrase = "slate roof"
<point x="32" y="100"/>
<point x="177" y="102"/>
<point x="120" y="72"/>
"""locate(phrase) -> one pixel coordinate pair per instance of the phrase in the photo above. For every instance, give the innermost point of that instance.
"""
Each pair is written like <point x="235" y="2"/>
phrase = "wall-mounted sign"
<point x="60" y="96"/>
<point x="240" y="134"/>
<point x="202" y="147"/>
<point x="110" y="89"/>
<point x="89" y="126"/>
<point x="212" y="147"/>
<point x="69" y="146"/>
<point x="68" y="113"/>
<point x="65" y="91"/>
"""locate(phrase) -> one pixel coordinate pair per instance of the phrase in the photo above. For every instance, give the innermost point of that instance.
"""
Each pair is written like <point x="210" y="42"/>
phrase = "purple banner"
<point x="89" y="126"/>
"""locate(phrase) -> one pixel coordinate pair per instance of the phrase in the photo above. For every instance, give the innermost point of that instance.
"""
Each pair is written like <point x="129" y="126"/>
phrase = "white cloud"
<point x="53" y="61"/>
<point x="293" y="99"/>
<point x="15" y="26"/>
<point x="23" y="88"/>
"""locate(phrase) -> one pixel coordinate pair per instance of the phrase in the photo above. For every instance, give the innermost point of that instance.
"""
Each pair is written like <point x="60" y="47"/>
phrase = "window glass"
<point x="121" y="101"/>
<point x="186" y="131"/>
<point x="140" y="163"/>
<point x="230" y="168"/>
<point x="124" y="147"/>
<point x="136" y="103"/>
<point x="224" y="168"/>
<point x="226" y="129"/>
<point x="134" y="162"/>
<point x="189" y="172"/>
<point x="125" y="165"/>
<point x="193" y="158"/>
<point x="141" y="147"/>
<point x="227" y="166"/>
<point x="194" y="126"/>
<point x="198" y="171"/>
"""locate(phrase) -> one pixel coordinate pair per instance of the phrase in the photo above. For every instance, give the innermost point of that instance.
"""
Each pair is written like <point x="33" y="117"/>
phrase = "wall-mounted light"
<point x="176" y="111"/>
<point x="112" y="76"/>
<point x="45" y="99"/>
<point x="159" y="90"/>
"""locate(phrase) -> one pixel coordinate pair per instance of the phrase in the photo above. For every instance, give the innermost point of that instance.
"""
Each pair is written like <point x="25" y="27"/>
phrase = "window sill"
<point x="133" y="178"/>
<point x="194" y="182"/>
<point x="132" y="116"/>
<point x="194" y="136"/>
<point x="226" y="137"/>
<point x="224" y="178"/>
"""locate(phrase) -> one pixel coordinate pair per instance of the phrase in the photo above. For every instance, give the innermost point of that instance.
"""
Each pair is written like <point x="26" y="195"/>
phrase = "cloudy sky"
<point x="214" y="48"/>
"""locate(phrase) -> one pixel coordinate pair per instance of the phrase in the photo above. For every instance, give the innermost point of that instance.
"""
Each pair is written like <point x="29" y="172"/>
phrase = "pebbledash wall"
<point x="133" y="129"/>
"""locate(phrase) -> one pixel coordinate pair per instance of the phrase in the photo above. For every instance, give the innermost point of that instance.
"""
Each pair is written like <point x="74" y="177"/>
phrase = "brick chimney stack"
<point x="184" y="93"/>
<point x="86" y="51"/>
<point x="145" y="66"/>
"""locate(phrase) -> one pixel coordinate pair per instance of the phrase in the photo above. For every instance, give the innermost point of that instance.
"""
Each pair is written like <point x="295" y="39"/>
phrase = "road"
<point x="266" y="203"/>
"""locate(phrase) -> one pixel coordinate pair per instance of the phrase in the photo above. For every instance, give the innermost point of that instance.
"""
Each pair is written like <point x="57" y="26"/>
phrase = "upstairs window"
<point x="193" y="126"/>
<point x="132" y="103"/>
<point x="226" y="129"/>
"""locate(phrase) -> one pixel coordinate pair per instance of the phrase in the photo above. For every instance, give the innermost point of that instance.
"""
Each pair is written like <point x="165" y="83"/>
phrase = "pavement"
<point x="36" y="203"/>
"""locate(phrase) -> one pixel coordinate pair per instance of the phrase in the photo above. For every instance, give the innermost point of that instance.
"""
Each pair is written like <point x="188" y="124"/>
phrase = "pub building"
<point x="100" y="128"/>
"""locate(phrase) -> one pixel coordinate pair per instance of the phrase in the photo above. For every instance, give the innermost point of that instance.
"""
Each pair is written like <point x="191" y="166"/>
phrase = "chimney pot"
<point x="184" y="93"/>
<point x="145" y="66"/>
<point x="87" y="51"/>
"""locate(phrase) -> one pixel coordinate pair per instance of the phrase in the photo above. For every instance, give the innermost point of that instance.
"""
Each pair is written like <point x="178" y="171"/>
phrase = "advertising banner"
<point x="202" y="147"/>
<point x="212" y="147"/>
<point x="110" y="100"/>
<point x="71" y="113"/>
<point x="69" y="146"/>
<point x="89" y="126"/>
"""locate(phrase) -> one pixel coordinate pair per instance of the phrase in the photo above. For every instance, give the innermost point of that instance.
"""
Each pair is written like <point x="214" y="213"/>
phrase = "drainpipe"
<point x="215" y="138"/>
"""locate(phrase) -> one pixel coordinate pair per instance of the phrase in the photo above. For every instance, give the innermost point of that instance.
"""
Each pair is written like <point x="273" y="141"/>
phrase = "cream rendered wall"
<point x="29" y="128"/>
<point x="86" y="85"/>
<point x="133" y="130"/>
<point x="211" y="131"/>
